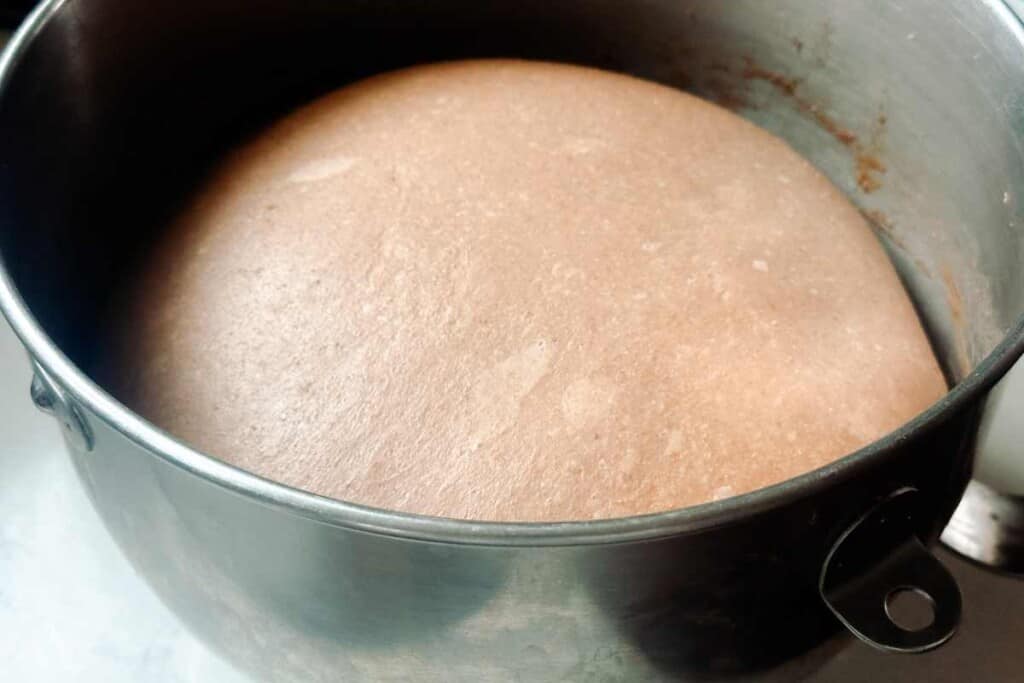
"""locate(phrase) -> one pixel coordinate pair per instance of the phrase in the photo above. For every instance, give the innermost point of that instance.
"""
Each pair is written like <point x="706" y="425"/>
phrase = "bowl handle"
<point x="879" y="557"/>
<point x="52" y="400"/>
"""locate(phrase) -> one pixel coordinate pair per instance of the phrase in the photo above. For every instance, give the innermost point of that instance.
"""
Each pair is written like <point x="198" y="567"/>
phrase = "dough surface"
<point x="521" y="291"/>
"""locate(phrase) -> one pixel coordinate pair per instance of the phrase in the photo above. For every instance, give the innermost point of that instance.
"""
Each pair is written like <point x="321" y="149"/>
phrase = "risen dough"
<point x="506" y="290"/>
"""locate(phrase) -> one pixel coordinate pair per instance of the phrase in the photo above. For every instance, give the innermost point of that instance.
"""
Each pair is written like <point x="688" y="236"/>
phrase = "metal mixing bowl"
<point x="110" y="111"/>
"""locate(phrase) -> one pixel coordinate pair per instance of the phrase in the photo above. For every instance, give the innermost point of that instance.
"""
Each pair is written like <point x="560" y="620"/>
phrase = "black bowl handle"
<point x="878" y="557"/>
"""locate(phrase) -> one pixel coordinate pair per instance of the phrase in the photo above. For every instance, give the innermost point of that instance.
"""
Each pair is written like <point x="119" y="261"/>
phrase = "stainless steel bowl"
<point x="110" y="110"/>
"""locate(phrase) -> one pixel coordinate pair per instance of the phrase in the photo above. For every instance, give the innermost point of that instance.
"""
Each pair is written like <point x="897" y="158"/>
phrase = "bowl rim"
<point x="98" y="403"/>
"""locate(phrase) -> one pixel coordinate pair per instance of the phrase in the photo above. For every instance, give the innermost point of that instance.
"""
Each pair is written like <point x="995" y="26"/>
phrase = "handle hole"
<point x="911" y="609"/>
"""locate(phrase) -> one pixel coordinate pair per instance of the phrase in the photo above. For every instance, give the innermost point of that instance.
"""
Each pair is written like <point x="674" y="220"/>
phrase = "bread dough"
<point x="521" y="291"/>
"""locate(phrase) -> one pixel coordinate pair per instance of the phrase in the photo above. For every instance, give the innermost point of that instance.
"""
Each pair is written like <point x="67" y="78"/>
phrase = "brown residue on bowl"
<point x="724" y="92"/>
<point x="785" y="84"/>
<point x="840" y="133"/>
<point x="868" y="168"/>
<point x="955" y="300"/>
<point x="789" y="87"/>
<point x="721" y="85"/>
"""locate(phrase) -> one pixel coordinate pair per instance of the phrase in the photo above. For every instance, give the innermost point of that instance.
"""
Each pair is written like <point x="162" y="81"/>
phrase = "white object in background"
<point x="1000" y="463"/>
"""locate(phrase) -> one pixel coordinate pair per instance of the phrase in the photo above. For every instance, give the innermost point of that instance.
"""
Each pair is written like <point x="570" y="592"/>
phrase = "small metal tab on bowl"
<point x="880" y="561"/>
<point x="51" y="399"/>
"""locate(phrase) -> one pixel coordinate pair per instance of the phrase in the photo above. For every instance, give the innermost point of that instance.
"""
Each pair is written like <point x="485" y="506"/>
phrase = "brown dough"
<point x="520" y="291"/>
